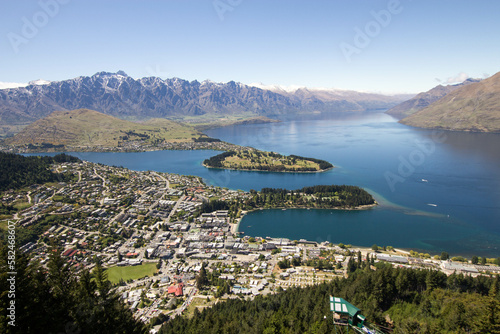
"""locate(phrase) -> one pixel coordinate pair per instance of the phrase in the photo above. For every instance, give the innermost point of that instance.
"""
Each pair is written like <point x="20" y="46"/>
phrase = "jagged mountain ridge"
<point x="122" y="96"/>
<point x="424" y="99"/>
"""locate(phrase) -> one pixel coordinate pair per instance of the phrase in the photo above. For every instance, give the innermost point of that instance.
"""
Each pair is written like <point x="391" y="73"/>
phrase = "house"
<point x="70" y="252"/>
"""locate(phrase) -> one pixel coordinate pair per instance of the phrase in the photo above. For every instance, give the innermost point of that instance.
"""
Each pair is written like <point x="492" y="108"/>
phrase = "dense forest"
<point x="19" y="171"/>
<point x="202" y="139"/>
<point x="266" y="161"/>
<point x="216" y="160"/>
<point x="397" y="300"/>
<point x="320" y="197"/>
<point x="53" y="299"/>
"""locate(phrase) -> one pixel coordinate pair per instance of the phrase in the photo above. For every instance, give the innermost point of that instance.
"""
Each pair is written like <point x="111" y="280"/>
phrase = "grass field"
<point x="197" y="303"/>
<point x="131" y="272"/>
<point x="21" y="205"/>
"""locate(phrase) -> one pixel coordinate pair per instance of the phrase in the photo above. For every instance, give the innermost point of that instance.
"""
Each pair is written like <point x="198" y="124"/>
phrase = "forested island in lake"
<point x="256" y="160"/>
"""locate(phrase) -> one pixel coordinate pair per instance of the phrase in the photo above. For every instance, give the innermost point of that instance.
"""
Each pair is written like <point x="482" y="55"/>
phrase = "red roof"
<point x="176" y="289"/>
<point x="69" y="252"/>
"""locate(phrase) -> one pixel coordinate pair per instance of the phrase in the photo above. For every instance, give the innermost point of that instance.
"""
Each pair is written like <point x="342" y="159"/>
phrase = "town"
<point x="168" y="254"/>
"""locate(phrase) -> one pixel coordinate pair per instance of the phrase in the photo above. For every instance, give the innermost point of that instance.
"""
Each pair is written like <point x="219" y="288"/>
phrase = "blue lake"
<point x="438" y="190"/>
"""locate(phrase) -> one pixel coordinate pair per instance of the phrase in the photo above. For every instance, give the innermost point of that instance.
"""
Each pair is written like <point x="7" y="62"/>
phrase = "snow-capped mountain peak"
<point x="39" y="82"/>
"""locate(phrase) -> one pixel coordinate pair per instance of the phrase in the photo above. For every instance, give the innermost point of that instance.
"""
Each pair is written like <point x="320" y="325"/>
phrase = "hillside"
<point x="83" y="129"/>
<point x="19" y="171"/>
<point x="122" y="96"/>
<point x="474" y="107"/>
<point x="424" y="99"/>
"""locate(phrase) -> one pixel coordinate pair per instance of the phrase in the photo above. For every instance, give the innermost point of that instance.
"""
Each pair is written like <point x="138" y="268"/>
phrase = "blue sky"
<point x="285" y="42"/>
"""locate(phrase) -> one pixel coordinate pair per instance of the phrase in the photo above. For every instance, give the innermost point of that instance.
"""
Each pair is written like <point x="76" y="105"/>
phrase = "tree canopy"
<point x="56" y="300"/>
<point x="19" y="171"/>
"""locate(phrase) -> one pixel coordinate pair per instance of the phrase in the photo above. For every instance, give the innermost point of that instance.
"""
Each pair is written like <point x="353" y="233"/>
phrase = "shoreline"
<point x="235" y="227"/>
<point x="268" y="171"/>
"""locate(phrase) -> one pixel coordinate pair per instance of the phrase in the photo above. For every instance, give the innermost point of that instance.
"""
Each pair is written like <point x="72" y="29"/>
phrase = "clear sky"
<point x="412" y="46"/>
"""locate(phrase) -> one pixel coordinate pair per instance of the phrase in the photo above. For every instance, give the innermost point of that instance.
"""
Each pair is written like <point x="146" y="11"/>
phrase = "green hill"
<point x="474" y="107"/>
<point x="83" y="128"/>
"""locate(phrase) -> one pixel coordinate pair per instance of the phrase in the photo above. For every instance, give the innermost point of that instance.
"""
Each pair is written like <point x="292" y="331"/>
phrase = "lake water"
<point x="438" y="190"/>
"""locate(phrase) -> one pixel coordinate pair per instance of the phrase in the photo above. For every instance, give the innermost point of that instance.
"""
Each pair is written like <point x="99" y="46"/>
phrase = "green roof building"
<point x="344" y="313"/>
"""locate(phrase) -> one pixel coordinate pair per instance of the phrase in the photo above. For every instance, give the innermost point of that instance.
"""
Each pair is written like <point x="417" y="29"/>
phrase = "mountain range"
<point x="122" y="96"/>
<point x="424" y="99"/>
<point x="471" y="107"/>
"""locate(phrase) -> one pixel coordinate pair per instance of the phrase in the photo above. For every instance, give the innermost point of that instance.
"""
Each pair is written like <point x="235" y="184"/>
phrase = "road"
<point x="103" y="184"/>
<point x="188" y="301"/>
<point x="102" y="178"/>
<point x="167" y="182"/>
<point x="176" y="206"/>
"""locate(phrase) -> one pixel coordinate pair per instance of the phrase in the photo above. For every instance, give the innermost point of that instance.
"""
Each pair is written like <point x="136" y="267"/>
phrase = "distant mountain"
<point x="331" y="99"/>
<point x="89" y="128"/>
<point x="424" y="99"/>
<point x="473" y="107"/>
<point x="121" y="96"/>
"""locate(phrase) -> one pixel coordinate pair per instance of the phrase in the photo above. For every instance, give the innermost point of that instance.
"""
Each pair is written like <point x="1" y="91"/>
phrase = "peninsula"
<point x="315" y="197"/>
<point x="251" y="159"/>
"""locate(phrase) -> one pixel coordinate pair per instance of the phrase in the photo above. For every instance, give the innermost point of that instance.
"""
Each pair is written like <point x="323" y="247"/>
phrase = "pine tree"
<point x="201" y="278"/>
